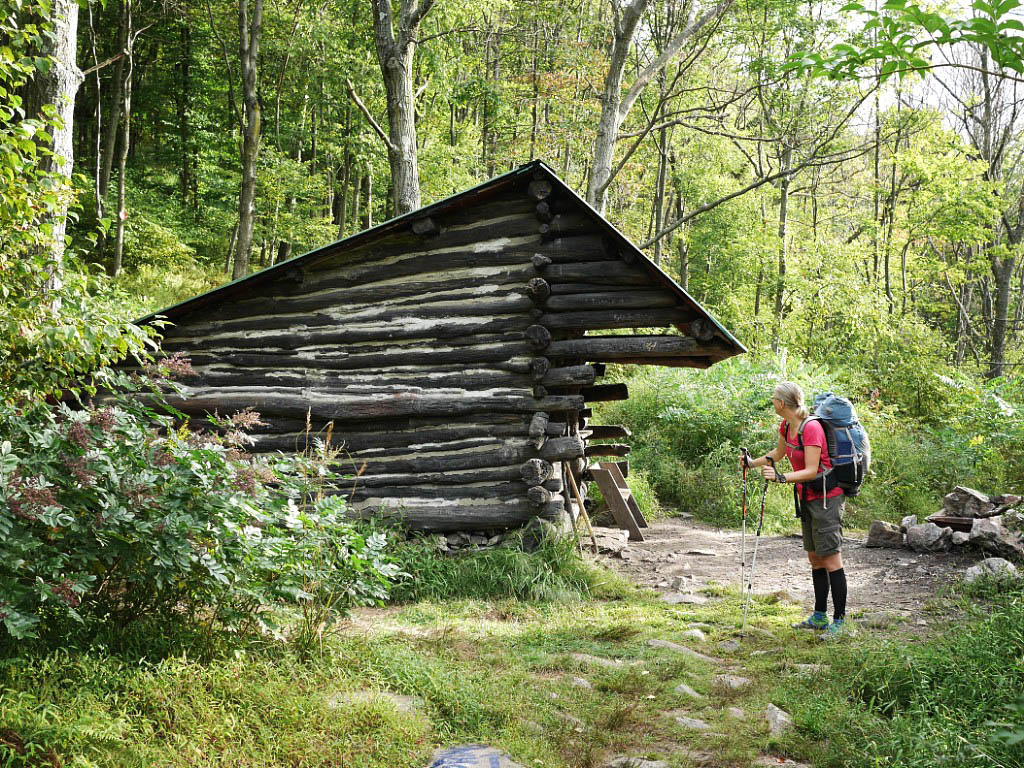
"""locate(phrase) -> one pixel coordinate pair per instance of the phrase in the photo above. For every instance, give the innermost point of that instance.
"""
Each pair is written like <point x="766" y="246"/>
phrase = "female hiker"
<point x="820" y="503"/>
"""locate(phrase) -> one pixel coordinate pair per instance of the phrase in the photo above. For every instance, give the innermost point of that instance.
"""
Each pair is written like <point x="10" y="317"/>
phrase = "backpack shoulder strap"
<point x="800" y="431"/>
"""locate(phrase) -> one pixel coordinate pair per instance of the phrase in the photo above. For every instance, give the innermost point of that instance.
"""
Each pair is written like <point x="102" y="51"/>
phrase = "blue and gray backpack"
<point x="848" y="445"/>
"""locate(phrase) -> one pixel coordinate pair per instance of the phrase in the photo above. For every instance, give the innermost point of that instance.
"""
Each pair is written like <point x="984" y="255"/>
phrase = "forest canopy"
<point x="835" y="180"/>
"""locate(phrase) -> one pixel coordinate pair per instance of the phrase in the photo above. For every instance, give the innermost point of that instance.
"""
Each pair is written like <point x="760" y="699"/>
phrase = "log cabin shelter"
<point x="455" y="349"/>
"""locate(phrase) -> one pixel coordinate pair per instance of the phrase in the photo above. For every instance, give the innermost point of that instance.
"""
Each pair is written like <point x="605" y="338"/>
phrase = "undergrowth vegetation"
<point x="952" y="701"/>
<point x="688" y="427"/>
<point x="552" y="569"/>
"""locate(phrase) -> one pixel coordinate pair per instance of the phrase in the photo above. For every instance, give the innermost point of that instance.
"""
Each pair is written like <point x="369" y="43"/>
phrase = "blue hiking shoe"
<point x="836" y="630"/>
<point x="816" y="621"/>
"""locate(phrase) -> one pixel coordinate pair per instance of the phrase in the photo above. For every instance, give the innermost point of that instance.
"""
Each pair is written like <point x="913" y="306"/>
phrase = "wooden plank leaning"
<point x="616" y="500"/>
<point x="620" y="481"/>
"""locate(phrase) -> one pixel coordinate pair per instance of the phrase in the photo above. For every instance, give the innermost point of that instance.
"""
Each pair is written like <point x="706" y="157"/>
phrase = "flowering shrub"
<point x="109" y="512"/>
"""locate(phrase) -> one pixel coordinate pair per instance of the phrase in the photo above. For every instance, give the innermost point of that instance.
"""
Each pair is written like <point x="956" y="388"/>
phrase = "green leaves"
<point x="109" y="514"/>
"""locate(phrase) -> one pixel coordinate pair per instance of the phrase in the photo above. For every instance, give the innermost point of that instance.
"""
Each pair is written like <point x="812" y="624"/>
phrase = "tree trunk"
<point x="114" y="268"/>
<point x="1002" y="270"/>
<point x="395" y="48"/>
<point x="58" y="88"/>
<point x="249" y="54"/>
<point x="110" y="136"/>
<point x="186" y="174"/>
<point x="780" y="286"/>
<point x="611" y="99"/>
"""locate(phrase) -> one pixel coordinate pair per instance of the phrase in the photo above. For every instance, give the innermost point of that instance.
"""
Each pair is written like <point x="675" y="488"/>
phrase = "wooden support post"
<point x="583" y="510"/>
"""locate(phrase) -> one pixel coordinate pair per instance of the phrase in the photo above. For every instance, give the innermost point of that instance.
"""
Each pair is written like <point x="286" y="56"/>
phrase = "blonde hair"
<point x="792" y="397"/>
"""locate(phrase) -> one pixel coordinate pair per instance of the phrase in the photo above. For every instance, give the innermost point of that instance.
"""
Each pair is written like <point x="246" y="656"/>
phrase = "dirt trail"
<point x="897" y="580"/>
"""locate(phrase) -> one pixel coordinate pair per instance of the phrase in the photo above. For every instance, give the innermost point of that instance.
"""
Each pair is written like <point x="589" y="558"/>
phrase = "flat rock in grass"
<point x="732" y="682"/>
<point x="611" y="540"/>
<point x="586" y="658"/>
<point x="767" y="760"/>
<point x="580" y="682"/>
<point x="736" y="713"/>
<point x="668" y="645"/>
<point x="728" y="646"/>
<point x="877" y="619"/>
<point x="778" y="721"/>
<point x="408" y="705"/>
<point x="693" y="723"/>
<point x="472" y="756"/>
<point x="883" y="534"/>
<point x="991" y="568"/>
<point x="694" y="634"/>
<point x="624" y="761"/>
<point x="683" y="598"/>
<point x="684" y="690"/>
<point x="811" y="669"/>
<point x="761" y="632"/>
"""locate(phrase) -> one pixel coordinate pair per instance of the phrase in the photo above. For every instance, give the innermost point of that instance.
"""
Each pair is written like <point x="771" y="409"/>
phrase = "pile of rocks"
<point x="467" y="541"/>
<point x="995" y="526"/>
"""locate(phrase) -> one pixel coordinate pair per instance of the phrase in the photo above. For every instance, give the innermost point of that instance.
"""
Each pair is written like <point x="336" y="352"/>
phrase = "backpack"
<point x="848" y="445"/>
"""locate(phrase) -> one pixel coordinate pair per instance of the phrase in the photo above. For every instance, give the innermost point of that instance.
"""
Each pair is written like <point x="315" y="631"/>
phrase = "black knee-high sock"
<point x="820" y="578"/>
<point x="837" y="579"/>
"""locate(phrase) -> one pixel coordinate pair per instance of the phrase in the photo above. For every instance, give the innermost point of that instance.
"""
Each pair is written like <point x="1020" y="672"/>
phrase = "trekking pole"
<point x="743" y="505"/>
<point x="753" y="559"/>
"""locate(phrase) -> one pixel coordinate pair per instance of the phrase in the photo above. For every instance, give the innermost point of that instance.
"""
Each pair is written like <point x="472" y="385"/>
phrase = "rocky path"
<point x="682" y="555"/>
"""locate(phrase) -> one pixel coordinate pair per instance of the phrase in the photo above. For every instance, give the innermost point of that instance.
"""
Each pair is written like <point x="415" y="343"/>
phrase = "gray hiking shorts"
<point x="822" y="524"/>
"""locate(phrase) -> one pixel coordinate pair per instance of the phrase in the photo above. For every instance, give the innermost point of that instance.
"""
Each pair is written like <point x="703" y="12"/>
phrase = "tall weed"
<point x="950" y="701"/>
<point x="553" y="571"/>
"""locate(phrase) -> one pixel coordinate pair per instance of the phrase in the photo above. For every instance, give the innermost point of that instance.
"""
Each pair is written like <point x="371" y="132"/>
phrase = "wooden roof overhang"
<point x="705" y="340"/>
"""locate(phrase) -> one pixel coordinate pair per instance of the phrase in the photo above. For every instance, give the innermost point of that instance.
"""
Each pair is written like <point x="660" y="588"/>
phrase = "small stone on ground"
<point x="679" y="598"/>
<point x="472" y="756"/>
<point x="732" y="682"/>
<point x="407" y="705"/>
<point x="994" y="568"/>
<point x="737" y="713"/>
<point x="624" y="761"/>
<point x="655" y="642"/>
<point x="729" y="646"/>
<point x="685" y="690"/>
<point x="692" y="723"/>
<point x="694" y="634"/>
<point x="586" y="658"/>
<point x="778" y="721"/>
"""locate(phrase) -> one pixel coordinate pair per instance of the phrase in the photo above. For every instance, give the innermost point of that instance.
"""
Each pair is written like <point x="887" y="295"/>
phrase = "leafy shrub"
<point x="109" y="513"/>
<point x="688" y="427"/>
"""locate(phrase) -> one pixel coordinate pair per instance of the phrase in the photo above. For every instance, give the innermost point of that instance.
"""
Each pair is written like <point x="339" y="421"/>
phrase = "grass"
<point x="498" y="671"/>
<point x="504" y="671"/>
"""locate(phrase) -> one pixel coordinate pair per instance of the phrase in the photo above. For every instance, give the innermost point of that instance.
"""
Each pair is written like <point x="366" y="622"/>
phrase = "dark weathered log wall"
<point x="451" y="356"/>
